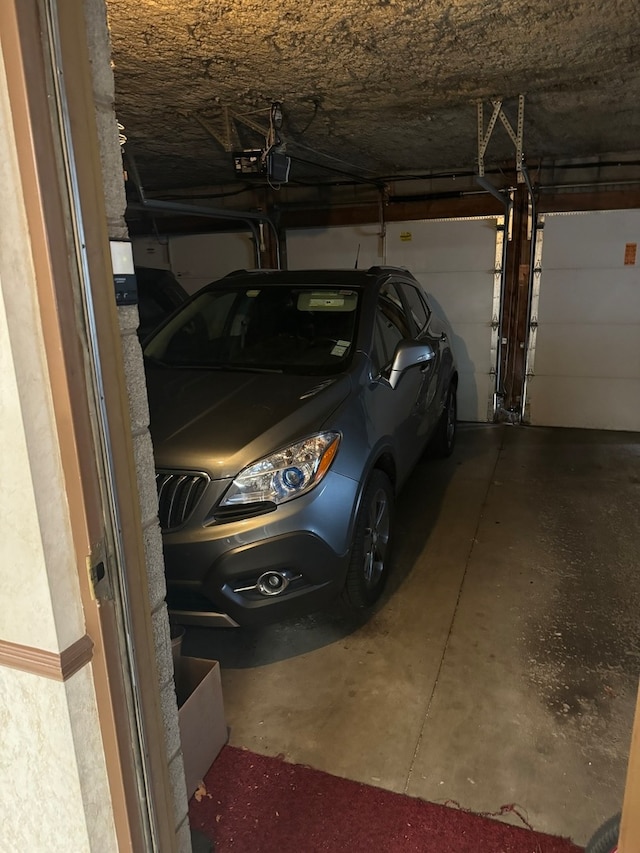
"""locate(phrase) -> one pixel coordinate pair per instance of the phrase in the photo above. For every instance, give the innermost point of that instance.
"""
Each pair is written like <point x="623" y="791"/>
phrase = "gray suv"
<point x="287" y="409"/>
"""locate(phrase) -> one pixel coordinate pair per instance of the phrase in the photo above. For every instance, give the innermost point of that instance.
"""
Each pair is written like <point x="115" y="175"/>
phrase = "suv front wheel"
<point x="369" y="562"/>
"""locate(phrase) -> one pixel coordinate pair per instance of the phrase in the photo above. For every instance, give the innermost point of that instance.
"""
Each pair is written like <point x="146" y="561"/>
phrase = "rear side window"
<point x="417" y="305"/>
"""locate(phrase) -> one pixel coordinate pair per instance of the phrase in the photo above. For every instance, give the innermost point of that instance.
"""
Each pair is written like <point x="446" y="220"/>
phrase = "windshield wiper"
<point x="248" y="368"/>
<point x="155" y="362"/>
<point x="230" y="368"/>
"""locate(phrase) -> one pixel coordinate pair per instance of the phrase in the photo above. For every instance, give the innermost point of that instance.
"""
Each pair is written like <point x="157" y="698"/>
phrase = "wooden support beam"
<point x="629" y="841"/>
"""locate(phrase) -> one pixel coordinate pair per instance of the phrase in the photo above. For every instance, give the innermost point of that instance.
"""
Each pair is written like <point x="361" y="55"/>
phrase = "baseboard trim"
<point x="59" y="666"/>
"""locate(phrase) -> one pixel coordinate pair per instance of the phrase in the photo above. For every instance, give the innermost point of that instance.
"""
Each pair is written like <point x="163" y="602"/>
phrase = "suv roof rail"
<point x="249" y="272"/>
<point x="385" y="268"/>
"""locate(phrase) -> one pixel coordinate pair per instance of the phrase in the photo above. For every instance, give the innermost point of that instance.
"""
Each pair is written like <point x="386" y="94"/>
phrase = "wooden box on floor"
<point x="203" y="730"/>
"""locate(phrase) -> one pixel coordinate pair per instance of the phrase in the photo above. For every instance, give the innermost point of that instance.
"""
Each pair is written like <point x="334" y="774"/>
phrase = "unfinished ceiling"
<point x="371" y="89"/>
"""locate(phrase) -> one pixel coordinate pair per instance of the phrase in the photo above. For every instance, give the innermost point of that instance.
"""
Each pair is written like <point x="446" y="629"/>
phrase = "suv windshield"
<point x="284" y="328"/>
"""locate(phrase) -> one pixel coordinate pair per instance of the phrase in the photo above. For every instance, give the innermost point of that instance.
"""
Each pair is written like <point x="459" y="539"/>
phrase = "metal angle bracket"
<point x="515" y="136"/>
<point x="228" y="138"/>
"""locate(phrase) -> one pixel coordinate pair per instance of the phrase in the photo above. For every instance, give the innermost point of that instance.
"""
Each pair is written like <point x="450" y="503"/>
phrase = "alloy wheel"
<point x="376" y="537"/>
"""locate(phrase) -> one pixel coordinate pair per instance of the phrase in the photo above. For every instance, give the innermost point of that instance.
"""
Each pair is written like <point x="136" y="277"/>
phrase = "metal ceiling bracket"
<point x="229" y="138"/>
<point x="229" y="133"/>
<point x="515" y="136"/>
<point x="243" y="119"/>
<point x="483" y="139"/>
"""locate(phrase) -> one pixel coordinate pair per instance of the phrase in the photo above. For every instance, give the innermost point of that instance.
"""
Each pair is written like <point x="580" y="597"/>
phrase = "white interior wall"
<point x="586" y="361"/>
<point x="455" y="262"/>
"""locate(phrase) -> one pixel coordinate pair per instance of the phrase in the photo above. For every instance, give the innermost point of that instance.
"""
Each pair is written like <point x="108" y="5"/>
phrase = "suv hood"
<point x="219" y="422"/>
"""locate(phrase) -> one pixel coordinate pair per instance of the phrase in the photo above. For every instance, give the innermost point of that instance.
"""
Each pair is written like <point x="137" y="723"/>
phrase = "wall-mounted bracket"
<point x="515" y="136"/>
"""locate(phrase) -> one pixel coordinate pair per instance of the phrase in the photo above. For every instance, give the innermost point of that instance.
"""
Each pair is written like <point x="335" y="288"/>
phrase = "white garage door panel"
<point x="455" y="262"/>
<point x="587" y="403"/>
<point x="584" y="358"/>
<point x="318" y="248"/>
<point x="463" y="296"/>
<point x="584" y="297"/>
<point x="597" y="351"/>
<point x="472" y="348"/>
<point x="594" y="240"/>
<point x="475" y="389"/>
<point x="451" y="245"/>
<point x="197" y="259"/>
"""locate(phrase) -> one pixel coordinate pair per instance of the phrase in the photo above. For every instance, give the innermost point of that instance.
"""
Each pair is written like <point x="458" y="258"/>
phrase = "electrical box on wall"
<point x="124" y="276"/>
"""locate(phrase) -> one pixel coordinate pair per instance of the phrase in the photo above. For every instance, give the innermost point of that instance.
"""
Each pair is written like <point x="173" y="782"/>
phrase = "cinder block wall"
<point x="103" y="88"/>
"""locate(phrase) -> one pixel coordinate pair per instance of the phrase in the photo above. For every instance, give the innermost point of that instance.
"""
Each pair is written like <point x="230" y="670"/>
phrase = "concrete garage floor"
<point x="501" y="667"/>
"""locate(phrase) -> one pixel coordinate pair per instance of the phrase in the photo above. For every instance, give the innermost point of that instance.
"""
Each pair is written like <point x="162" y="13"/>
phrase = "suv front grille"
<point x="178" y="496"/>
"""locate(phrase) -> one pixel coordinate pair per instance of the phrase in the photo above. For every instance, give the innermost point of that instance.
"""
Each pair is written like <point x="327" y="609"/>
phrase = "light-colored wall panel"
<point x="49" y="762"/>
<point x="37" y="562"/>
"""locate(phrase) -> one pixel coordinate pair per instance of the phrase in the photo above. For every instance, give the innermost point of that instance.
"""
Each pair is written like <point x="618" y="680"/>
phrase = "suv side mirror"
<point x="409" y="354"/>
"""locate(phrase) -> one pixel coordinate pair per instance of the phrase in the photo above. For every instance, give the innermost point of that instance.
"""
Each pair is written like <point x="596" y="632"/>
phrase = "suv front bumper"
<point x="212" y="570"/>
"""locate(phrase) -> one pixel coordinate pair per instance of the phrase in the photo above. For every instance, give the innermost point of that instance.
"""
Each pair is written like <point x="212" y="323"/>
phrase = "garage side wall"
<point x="115" y="203"/>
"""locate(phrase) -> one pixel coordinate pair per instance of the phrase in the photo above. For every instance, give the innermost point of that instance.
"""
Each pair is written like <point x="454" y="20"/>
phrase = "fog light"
<point x="272" y="583"/>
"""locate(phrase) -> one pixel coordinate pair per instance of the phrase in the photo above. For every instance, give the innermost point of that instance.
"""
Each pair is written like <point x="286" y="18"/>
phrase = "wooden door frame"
<point x="28" y="64"/>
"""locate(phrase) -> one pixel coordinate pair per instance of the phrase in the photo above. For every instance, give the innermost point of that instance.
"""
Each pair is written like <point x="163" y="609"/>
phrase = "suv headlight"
<point x="286" y="474"/>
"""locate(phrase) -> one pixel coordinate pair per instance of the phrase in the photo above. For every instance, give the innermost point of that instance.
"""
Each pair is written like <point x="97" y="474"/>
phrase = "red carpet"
<point x="256" y="804"/>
